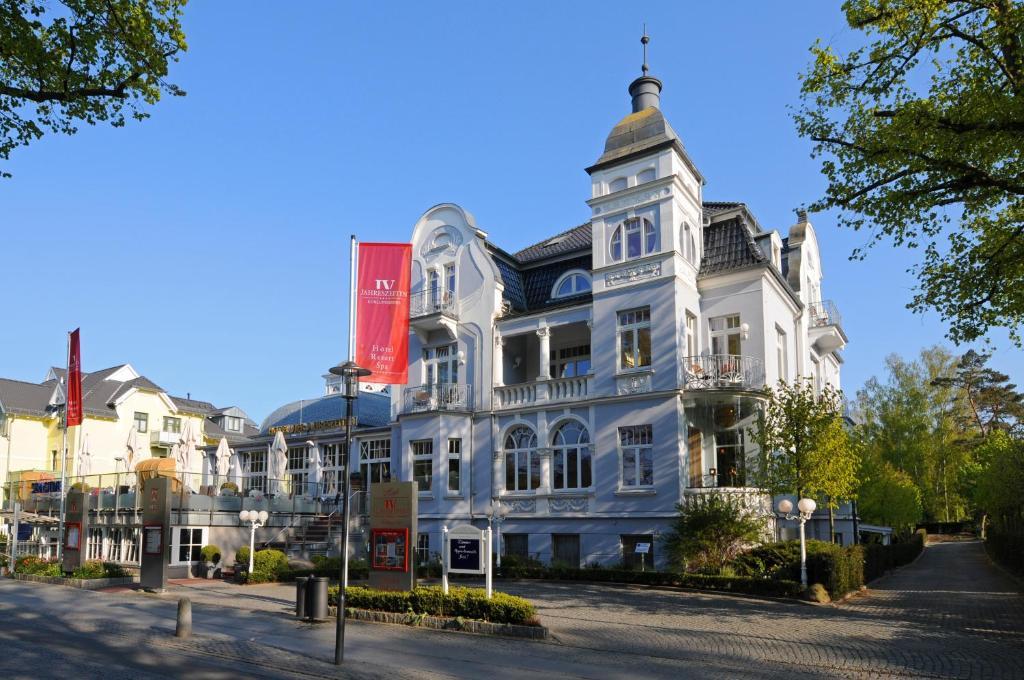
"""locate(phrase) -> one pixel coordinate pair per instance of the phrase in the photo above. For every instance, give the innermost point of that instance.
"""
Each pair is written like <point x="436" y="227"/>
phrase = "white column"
<point x="544" y="372"/>
<point x="498" y="360"/>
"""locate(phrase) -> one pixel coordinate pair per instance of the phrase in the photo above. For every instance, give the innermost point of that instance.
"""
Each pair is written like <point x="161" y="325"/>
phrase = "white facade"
<point x="589" y="382"/>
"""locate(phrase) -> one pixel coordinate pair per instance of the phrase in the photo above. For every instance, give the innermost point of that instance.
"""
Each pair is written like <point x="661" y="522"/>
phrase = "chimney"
<point x="801" y="216"/>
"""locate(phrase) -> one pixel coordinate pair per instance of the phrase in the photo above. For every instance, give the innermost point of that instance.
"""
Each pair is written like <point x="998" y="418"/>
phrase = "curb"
<point x="83" y="583"/>
<point x="457" y="624"/>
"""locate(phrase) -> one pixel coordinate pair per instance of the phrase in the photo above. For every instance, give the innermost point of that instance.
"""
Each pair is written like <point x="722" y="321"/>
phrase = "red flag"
<point x="382" y="311"/>
<point x="74" y="387"/>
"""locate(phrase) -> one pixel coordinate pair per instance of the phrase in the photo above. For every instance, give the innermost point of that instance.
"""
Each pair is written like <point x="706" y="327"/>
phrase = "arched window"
<point x="689" y="244"/>
<point x="571" y="283"/>
<point x="647" y="175"/>
<point x="637" y="235"/>
<point x="522" y="461"/>
<point x="571" y="461"/>
<point x="617" y="184"/>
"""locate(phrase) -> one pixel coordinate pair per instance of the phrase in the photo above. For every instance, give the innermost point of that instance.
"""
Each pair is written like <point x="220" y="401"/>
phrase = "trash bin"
<point x="316" y="605"/>
<point x="301" y="586"/>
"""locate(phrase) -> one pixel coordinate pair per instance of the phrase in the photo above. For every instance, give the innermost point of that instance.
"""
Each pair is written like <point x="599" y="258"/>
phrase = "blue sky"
<point x="207" y="246"/>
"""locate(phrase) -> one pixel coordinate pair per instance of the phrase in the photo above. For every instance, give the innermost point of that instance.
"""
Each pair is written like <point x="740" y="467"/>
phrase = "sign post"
<point x="156" y="520"/>
<point x="467" y="550"/>
<point x="642" y="549"/>
<point x="393" y="509"/>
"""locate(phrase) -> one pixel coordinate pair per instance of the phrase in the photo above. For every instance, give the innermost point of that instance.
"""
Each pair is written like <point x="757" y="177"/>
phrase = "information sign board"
<point x="72" y="536"/>
<point x="24" y="532"/>
<point x="465" y="550"/>
<point x="390" y="549"/>
<point x="153" y="539"/>
<point x="642" y="548"/>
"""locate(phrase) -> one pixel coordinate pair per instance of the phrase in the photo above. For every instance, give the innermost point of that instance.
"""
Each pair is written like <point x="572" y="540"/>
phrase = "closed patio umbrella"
<point x="84" y="457"/>
<point x="133" y="449"/>
<point x="314" y="469"/>
<point x="186" y="451"/>
<point x="278" y="461"/>
<point x="223" y="457"/>
<point x="236" y="472"/>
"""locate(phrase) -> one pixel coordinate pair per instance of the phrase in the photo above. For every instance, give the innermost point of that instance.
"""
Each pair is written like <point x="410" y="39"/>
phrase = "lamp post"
<point x="496" y="515"/>
<point x="256" y="519"/>
<point x="806" y="507"/>
<point x="350" y="372"/>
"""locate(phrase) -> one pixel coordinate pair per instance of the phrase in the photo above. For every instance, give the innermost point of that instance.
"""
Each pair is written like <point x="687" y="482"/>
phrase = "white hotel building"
<point x="591" y="381"/>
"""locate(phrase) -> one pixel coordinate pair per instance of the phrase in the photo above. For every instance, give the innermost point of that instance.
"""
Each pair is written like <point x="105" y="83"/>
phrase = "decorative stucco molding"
<point x="631" y="274"/>
<point x="568" y="504"/>
<point x="634" y="384"/>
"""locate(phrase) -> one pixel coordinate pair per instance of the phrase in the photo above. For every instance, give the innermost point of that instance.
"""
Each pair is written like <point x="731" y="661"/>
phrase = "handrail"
<point x="823" y="313"/>
<point x="427" y="302"/>
<point x="723" y="371"/>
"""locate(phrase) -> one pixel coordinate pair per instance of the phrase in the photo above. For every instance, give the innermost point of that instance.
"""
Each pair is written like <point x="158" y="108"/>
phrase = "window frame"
<point x="529" y="456"/>
<point x="233" y="423"/>
<point x="144" y="420"/>
<point x="692" y="338"/>
<point x="782" y="353"/>
<point x="454" y="456"/>
<point x="375" y="452"/>
<point x="633" y="328"/>
<point x="575" y="356"/>
<point x="172" y="424"/>
<point x="726" y="333"/>
<point x="176" y="543"/>
<point x="422" y="451"/>
<point x="574" y="275"/>
<point x="644" y="431"/>
<point x="646" y="233"/>
<point x="583" y="448"/>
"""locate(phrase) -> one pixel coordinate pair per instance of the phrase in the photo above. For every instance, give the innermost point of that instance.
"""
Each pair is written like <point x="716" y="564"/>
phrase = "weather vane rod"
<point x="644" y="40"/>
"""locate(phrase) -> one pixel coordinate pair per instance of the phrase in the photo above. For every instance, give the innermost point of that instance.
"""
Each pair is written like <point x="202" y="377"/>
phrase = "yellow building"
<point x="114" y="401"/>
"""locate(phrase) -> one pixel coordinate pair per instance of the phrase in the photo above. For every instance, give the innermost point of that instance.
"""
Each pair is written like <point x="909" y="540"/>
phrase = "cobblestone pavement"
<point x="950" y="614"/>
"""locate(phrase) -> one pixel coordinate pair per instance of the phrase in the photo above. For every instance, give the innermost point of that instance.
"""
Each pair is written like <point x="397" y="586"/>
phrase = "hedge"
<point x="750" y="585"/>
<point x="879" y="559"/>
<point x="469" y="603"/>
<point x="267" y="565"/>
<point x="1006" y="548"/>
<point x="839" y="569"/>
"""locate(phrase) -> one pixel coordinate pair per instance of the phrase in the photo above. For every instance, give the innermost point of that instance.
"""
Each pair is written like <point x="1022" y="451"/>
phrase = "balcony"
<point x="164" y="439"/>
<point x="442" y="397"/>
<point x="542" y="392"/>
<point x="825" y="326"/>
<point x="723" y="371"/>
<point x="433" y="310"/>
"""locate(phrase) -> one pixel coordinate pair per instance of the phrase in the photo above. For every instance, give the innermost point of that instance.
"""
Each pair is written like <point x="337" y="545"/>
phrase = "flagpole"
<point x="352" y="256"/>
<point x="64" y="453"/>
<point x="339" y="633"/>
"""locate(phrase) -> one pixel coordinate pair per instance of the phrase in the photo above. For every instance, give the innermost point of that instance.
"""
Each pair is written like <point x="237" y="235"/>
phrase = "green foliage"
<point x="839" y="569"/>
<point x="921" y="130"/>
<point x="268" y="565"/>
<point x="817" y="593"/>
<point x="470" y="603"/>
<point x="879" y="559"/>
<point x="229" y="486"/>
<point x="711" y="529"/>
<point x="1000" y="483"/>
<point x="750" y="585"/>
<point x="889" y="497"/>
<point x="210" y="553"/>
<point x="86" y="61"/>
<point x="329" y="567"/>
<point x="36" y="566"/>
<point x="805" y="449"/>
<point x="97" y="569"/>
<point x="242" y="556"/>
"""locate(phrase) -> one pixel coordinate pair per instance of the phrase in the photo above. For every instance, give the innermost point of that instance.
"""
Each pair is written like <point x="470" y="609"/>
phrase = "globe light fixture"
<point x="806" y="506"/>
<point x="255" y="520"/>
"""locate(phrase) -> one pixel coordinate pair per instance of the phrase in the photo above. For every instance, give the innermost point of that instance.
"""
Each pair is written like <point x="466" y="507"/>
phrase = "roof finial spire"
<point x="644" y="39"/>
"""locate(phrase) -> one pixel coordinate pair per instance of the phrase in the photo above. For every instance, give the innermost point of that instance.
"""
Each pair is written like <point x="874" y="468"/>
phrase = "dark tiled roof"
<point x="540" y="280"/>
<point x="712" y="208"/>
<point x="577" y="238"/>
<point x="729" y="245"/>
<point x="372" y="409"/>
<point x="24" y="397"/>
<point x="192" y="405"/>
<point x="514" y="293"/>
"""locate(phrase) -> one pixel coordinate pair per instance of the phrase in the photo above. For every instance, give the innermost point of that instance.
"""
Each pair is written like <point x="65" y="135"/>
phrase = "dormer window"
<point x="571" y="283"/>
<point x="636" y="235"/>
<point x="233" y="424"/>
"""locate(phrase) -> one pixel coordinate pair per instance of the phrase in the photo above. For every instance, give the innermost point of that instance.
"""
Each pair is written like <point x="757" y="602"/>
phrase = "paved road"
<point x="949" y="615"/>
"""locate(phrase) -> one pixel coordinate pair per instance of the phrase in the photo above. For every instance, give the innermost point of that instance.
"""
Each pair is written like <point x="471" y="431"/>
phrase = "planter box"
<point x="446" y="623"/>
<point x="84" y="583"/>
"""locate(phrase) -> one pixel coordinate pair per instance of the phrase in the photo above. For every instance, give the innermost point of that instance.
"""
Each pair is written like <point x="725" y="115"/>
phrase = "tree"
<point x="994" y="402"/>
<point x="888" y="497"/>
<point x="804" y="447"/>
<point x="84" y="62"/>
<point x="1000" y="482"/>
<point x="922" y="134"/>
<point x="711" y="530"/>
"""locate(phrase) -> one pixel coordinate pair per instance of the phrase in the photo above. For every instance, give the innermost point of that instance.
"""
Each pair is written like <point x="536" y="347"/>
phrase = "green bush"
<point x="268" y="565"/>
<point x="242" y="556"/>
<point x="839" y="569"/>
<point x="96" y="569"/>
<point x="879" y="559"/>
<point x="36" y="566"/>
<point x="1006" y="548"/>
<point x="750" y="585"/>
<point x="331" y="568"/>
<point x="210" y="553"/>
<point x="817" y="593"/>
<point x="229" y="486"/>
<point x="711" y="530"/>
<point x="469" y="603"/>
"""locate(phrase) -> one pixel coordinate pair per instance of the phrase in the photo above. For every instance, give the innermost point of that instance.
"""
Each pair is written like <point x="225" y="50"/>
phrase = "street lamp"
<point x="496" y="515"/>
<point x="806" y="507"/>
<point x="350" y="373"/>
<point x="256" y="519"/>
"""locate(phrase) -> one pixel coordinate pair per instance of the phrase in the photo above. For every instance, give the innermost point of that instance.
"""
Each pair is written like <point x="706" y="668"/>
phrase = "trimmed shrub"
<point x="30" y="564"/>
<point x="1006" y="548"/>
<point x="879" y="559"/>
<point x="469" y="603"/>
<point x="97" y="569"/>
<point x="229" y="486"/>
<point x="268" y="565"/>
<point x="242" y="556"/>
<point x="839" y="569"/>
<point x="210" y="553"/>
<point x="817" y="593"/>
<point x="749" y="585"/>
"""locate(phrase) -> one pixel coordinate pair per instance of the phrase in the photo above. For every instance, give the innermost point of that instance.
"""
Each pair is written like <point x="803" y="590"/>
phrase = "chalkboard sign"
<point x="464" y="554"/>
<point x="24" y="532"/>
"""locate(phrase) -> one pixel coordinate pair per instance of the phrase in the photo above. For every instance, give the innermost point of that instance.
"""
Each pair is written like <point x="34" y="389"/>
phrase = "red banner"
<point x="74" y="386"/>
<point x="382" y="311"/>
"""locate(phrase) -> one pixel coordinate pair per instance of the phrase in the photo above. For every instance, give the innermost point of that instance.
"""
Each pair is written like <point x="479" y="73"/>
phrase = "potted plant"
<point x="210" y="555"/>
<point x="228" y="489"/>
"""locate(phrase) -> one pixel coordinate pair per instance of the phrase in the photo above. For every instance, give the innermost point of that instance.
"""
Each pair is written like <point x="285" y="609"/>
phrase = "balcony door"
<point x="441" y="365"/>
<point x="694" y="446"/>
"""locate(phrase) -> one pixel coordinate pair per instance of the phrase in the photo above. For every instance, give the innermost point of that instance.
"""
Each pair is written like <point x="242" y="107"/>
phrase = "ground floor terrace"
<point x="951" y="614"/>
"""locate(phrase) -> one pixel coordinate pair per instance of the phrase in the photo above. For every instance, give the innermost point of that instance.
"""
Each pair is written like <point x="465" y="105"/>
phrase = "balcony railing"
<point x="823" y="313"/>
<point x="429" y="302"/>
<point x="164" y="438"/>
<point x="556" y="389"/>
<point x="442" y="397"/>
<point x="723" y="371"/>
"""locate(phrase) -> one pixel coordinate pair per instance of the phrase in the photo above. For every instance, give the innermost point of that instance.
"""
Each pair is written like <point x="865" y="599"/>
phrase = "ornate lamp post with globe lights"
<point x="256" y="519"/>
<point x="496" y="515"/>
<point x="806" y="507"/>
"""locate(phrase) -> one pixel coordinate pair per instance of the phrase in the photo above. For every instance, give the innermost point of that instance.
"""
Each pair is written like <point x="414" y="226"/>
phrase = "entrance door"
<point x="566" y="549"/>
<point x="694" y="449"/>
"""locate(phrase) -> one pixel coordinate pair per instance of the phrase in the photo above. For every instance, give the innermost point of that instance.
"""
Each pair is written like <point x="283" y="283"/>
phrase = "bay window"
<point x="635" y="238"/>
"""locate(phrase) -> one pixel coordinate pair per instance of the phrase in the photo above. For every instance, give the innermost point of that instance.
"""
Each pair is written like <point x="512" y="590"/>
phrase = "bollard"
<point x="184" y="628"/>
<point x="301" y="584"/>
